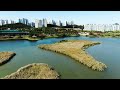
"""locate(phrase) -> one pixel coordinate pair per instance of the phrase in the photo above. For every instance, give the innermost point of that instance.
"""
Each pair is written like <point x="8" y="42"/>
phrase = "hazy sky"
<point x="79" y="17"/>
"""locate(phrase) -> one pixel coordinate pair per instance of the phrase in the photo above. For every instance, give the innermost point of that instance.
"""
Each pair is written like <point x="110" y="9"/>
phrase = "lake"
<point x="27" y="52"/>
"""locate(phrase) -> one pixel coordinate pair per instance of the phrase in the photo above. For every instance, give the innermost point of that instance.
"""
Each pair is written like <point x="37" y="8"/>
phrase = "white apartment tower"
<point x="36" y="23"/>
<point x="44" y="22"/>
<point x="72" y="23"/>
<point x="40" y="23"/>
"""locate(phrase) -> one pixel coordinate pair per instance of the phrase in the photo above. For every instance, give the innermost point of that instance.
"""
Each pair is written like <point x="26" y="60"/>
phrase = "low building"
<point x="83" y="33"/>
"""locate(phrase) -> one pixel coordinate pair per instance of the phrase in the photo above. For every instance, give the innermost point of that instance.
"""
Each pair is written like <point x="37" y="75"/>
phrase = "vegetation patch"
<point x="5" y="57"/>
<point x="34" y="71"/>
<point x="75" y="49"/>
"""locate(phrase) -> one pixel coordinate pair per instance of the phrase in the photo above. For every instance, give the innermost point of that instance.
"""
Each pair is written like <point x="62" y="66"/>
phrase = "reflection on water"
<point x="28" y="52"/>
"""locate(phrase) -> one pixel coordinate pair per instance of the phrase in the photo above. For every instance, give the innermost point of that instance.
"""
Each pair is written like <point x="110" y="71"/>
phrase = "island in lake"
<point x="5" y="57"/>
<point x="75" y="49"/>
<point x="34" y="71"/>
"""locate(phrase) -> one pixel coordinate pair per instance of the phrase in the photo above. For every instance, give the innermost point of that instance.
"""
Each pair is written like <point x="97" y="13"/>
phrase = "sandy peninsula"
<point x="5" y="57"/>
<point x="34" y="71"/>
<point x="76" y="50"/>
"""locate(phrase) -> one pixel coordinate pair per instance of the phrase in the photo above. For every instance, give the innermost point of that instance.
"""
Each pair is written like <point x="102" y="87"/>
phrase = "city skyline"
<point x="79" y="17"/>
<point x="37" y="23"/>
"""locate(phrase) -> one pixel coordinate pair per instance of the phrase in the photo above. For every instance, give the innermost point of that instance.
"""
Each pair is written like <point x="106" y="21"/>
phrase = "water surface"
<point x="27" y="52"/>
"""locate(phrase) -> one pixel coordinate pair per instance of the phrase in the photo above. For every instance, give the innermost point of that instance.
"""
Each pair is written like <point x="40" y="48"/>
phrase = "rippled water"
<point x="28" y="52"/>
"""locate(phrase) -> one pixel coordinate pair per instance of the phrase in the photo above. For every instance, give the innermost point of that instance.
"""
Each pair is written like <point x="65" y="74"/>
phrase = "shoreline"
<point x="36" y="39"/>
<point x="75" y="50"/>
<point x="34" y="71"/>
<point x="92" y="36"/>
<point x="19" y="39"/>
<point x="33" y="39"/>
<point x="5" y="57"/>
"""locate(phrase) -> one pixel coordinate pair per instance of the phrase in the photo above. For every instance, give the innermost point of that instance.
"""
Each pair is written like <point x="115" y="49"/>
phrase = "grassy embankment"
<point x="34" y="71"/>
<point x="5" y="57"/>
<point x="115" y="34"/>
<point x="25" y="37"/>
<point x="109" y="34"/>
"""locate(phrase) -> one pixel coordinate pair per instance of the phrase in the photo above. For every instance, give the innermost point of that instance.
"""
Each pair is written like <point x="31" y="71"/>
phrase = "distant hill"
<point x="14" y="26"/>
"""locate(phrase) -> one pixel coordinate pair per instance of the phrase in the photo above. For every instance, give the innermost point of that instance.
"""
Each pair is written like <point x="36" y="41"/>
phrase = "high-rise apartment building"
<point x="38" y="23"/>
<point x="32" y="24"/>
<point x="44" y="22"/>
<point x="24" y="21"/>
<point x="102" y="27"/>
<point x="2" y="22"/>
<point x="72" y="23"/>
<point x="66" y="23"/>
<point x="20" y="21"/>
<point x="6" y="21"/>
<point x="12" y="22"/>
<point x="60" y="23"/>
<point x="53" y="22"/>
<point x="57" y="23"/>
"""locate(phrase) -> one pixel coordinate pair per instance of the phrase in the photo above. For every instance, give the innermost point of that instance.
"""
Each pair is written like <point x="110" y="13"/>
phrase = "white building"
<point x="53" y="22"/>
<point x="6" y="21"/>
<point x="72" y="23"/>
<point x="101" y="27"/>
<point x="83" y="33"/>
<point x="40" y="23"/>
<point x="2" y="22"/>
<point x="12" y="22"/>
<point x="37" y="23"/>
<point x="60" y="23"/>
<point x="44" y="22"/>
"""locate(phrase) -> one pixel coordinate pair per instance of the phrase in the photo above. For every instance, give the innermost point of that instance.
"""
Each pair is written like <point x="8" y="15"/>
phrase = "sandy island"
<point x="76" y="50"/>
<point x="5" y="57"/>
<point x="34" y="71"/>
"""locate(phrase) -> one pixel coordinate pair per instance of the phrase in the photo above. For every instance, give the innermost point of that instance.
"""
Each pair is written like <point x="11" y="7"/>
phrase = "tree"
<point x="82" y="27"/>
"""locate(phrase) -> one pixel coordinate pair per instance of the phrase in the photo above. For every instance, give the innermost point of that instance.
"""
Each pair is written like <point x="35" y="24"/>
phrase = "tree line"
<point x="14" y="26"/>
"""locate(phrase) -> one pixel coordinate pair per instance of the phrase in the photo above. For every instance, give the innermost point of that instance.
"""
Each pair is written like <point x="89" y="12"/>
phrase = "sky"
<point x="79" y="17"/>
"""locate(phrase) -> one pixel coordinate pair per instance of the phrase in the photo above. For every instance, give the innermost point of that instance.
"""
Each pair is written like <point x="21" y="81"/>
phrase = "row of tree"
<point x="49" y="30"/>
<point x="52" y="31"/>
<point x="20" y="25"/>
<point x="68" y="26"/>
<point x="14" y="26"/>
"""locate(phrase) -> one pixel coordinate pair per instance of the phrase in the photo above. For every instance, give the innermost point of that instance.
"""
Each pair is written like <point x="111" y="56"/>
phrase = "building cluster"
<point x="69" y="23"/>
<point x="44" y="22"/>
<point x="3" y="22"/>
<point x="26" y="21"/>
<point x="41" y="23"/>
<point x="102" y="27"/>
<point x="38" y="23"/>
